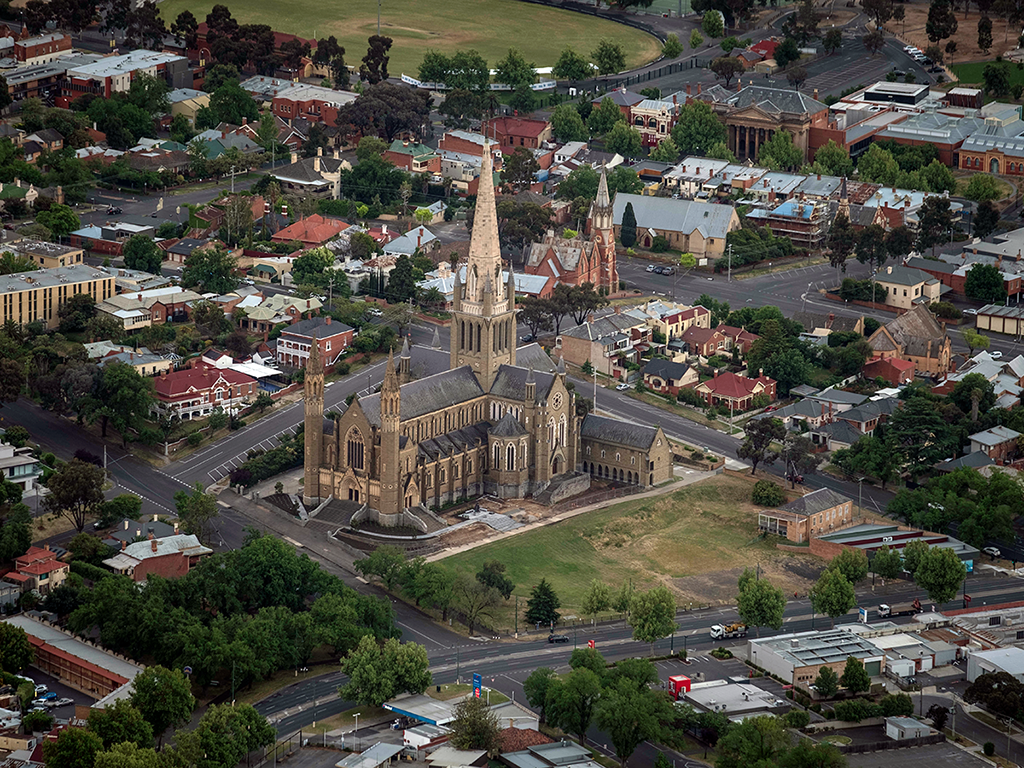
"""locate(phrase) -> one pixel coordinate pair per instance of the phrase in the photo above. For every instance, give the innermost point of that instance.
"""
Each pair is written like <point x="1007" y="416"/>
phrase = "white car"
<point x="909" y="48"/>
<point x="622" y="387"/>
<point x="650" y="268"/>
<point x="995" y="355"/>
<point x="970" y="311"/>
<point x="63" y="702"/>
<point x="992" y="552"/>
<point x="40" y="688"/>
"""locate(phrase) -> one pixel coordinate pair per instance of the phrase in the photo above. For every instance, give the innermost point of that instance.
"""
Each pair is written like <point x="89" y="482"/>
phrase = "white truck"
<point x="728" y="631"/>
<point x="886" y="611"/>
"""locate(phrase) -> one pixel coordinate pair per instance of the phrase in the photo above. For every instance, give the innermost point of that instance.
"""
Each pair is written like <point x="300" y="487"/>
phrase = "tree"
<point x="196" y="511"/>
<point x="76" y="491"/>
<point x="121" y="722"/>
<point x="401" y="282"/>
<point x="899" y="241"/>
<point x="757" y="741"/>
<point x="475" y="726"/>
<point x="935" y="221"/>
<point x="696" y="40"/>
<point x="123" y="400"/>
<point x="492" y="574"/>
<point x="833" y="159"/>
<point x="570" y="705"/>
<point x="332" y="55"/>
<point x="985" y="283"/>
<point x="163" y="698"/>
<point x="542" y="606"/>
<point x="386" y="563"/>
<point x="74" y="313"/>
<point x="597" y="598"/>
<point x="127" y="755"/>
<point x="996" y="78"/>
<point x="588" y="658"/>
<point x="514" y="70"/>
<point x="887" y="563"/>
<point x="712" y="24"/>
<point x="767" y="493"/>
<point x="602" y="120"/>
<point x="918" y="434"/>
<point x="536" y="687"/>
<point x="697" y="129"/>
<point x="631" y="715"/>
<point x="986" y="220"/>
<point x="627" y="232"/>
<point x="985" y="33"/>
<point x="873" y="41"/>
<point x="378" y="672"/>
<point x="796" y="75"/>
<point x="672" y="48"/>
<point x="665" y="152"/>
<point x="757" y="447"/>
<point x="60" y="220"/>
<point x="15" y="650"/>
<point x="855" y="678"/>
<point x="832" y="594"/>
<point x="798" y="452"/>
<point x="211" y="269"/>
<point x="571" y="66"/>
<point x="982" y="187"/>
<point x="185" y="27"/>
<point x="474" y="600"/>
<point x="941" y="23"/>
<point x="759" y="603"/>
<point x="726" y="68"/>
<point x="140" y="252"/>
<point x="519" y="169"/>
<point x="386" y="109"/>
<point x="827" y="682"/>
<point x="852" y="563"/>
<point x="940" y="573"/>
<point x="230" y="103"/>
<point x="609" y="57"/>
<point x="225" y="734"/>
<point x="652" y="615"/>
<point x="73" y="748"/>
<point x="938" y="714"/>
<point x="832" y="42"/>
<point x="567" y="125"/>
<point x="374" y="68"/>
<point x="779" y="153"/>
<point x="624" y="140"/>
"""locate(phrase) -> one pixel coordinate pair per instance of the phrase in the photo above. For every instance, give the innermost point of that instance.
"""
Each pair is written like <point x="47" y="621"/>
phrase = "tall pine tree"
<point x="542" y="607"/>
<point x="627" y="233"/>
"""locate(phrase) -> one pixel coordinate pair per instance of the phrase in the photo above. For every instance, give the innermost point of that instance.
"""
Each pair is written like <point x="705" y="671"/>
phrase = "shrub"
<point x="797" y="718"/>
<point x="856" y="710"/>
<point x="767" y="494"/>
<point x="342" y="369"/>
<point x="218" y="420"/>
<point x="945" y="310"/>
<point x="88" y="571"/>
<point x="195" y="438"/>
<point x="896" y="705"/>
<point x="659" y="244"/>
<point x="988" y="748"/>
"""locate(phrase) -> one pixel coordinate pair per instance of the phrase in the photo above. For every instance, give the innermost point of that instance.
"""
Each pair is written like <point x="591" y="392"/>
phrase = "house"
<point x="179" y="251"/>
<point x="195" y="392"/>
<point x="295" y="342"/>
<point x="737" y="393"/>
<point x="1001" y="444"/>
<point x="126" y="531"/>
<point x="169" y="557"/>
<point x="145" y="363"/>
<point x="187" y="102"/>
<point x="318" y="176"/>
<point x="312" y="231"/>
<point x="667" y="377"/>
<point x="890" y="369"/>
<point x="151" y="307"/>
<point x="607" y="343"/>
<point x="511" y="132"/>
<point x="48" y="138"/>
<point x="625" y="452"/>
<point x="311" y="102"/>
<point x="19" y="466"/>
<point x="865" y="417"/>
<point x="909" y="287"/>
<point x="623" y="99"/>
<point x="739" y="339"/>
<point x="835" y="435"/>
<point x="41" y="49"/>
<point x="806" y="223"/>
<point x="689" y="226"/>
<point x="1006" y="377"/>
<point x="654" y="119"/>
<point x="670" y="319"/>
<point x="413" y="157"/>
<point x="38" y="569"/>
<point x="706" y="342"/>
<point x="279" y="308"/>
<point x="916" y="337"/>
<point x="416" y="239"/>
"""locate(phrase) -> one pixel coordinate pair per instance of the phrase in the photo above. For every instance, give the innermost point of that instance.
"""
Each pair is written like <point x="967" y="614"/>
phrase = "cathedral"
<point x="485" y="426"/>
<point x="578" y="260"/>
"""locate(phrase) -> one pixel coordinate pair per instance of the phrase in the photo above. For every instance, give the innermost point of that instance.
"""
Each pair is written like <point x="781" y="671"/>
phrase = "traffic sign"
<point x="477" y="684"/>
<point x="590" y="644"/>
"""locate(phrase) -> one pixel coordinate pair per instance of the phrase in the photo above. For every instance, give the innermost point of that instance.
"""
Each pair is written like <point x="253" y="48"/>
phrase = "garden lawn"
<point x="705" y="527"/>
<point x="970" y="73"/>
<point x="489" y="26"/>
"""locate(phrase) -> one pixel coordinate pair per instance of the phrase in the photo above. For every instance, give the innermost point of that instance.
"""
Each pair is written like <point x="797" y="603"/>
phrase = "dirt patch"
<point x="912" y="29"/>
<point x="467" y="535"/>
<point x="790" y="574"/>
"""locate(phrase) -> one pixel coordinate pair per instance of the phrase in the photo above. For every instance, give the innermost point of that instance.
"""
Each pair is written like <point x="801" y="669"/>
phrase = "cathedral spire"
<point x="405" y="363"/>
<point x="390" y="374"/>
<point x="484" y="248"/>
<point x="601" y="216"/>
<point x="603" y="199"/>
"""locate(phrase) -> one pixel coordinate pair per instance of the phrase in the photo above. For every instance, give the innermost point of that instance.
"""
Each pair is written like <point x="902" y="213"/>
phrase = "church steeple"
<point x="313" y="426"/>
<point x="601" y="223"/>
<point x="601" y="214"/>
<point x="483" y="307"/>
<point x="405" y="363"/>
<point x="390" y="423"/>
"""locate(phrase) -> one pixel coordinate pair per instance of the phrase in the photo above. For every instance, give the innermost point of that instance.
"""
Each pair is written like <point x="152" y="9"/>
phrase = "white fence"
<point x="543" y="85"/>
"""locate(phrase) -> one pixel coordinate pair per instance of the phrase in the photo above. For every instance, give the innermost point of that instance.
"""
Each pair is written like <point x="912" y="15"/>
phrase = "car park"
<point x="558" y="638"/>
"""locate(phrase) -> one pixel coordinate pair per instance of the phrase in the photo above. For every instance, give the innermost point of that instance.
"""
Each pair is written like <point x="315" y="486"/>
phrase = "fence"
<point x="654" y="74"/>
<point x="614" y="493"/>
<point x="879" y="746"/>
<point x="286" y="747"/>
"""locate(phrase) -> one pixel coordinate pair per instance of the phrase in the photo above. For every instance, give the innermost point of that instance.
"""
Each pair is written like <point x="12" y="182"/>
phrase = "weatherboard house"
<point x="500" y="421"/>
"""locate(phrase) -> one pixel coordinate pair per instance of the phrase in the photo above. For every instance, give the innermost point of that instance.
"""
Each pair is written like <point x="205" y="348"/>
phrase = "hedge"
<point x="89" y="571"/>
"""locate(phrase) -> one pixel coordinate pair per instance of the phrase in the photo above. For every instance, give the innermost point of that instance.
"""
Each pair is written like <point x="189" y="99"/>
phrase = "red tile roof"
<point x="699" y="335"/>
<point x="312" y="229"/>
<point x="730" y="385"/>
<point x="766" y="48"/>
<point x="35" y="554"/>
<point x="518" y="739"/>
<point x="199" y="379"/>
<point x="44" y="566"/>
<point x="518" y="126"/>
<point x="738" y="335"/>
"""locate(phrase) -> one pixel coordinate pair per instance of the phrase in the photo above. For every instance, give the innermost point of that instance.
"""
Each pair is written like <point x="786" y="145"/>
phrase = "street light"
<point x="356" y="732"/>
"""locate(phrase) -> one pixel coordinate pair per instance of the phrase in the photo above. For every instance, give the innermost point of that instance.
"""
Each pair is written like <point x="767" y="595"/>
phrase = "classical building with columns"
<point x="753" y="114"/>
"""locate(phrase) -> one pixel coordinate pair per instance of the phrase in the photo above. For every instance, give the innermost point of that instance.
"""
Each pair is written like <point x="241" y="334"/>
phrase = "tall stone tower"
<point x="313" y="433"/>
<point x="390" y="418"/>
<point x="602" y="229"/>
<point x="483" y="313"/>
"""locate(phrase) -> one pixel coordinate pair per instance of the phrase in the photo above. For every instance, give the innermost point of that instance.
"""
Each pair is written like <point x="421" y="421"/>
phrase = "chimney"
<point x="760" y="372"/>
<point x="815" y="94"/>
<point x="163" y="373"/>
<point x="327" y="320"/>
<point x="153" y="544"/>
<point x="295" y="157"/>
<point x="700" y="88"/>
<point x="124" y="545"/>
<point x="47" y="547"/>
<point x="316" y="161"/>
<point x="687" y="89"/>
<point x="819" y="177"/>
<point x="126" y="525"/>
<point x="245" y="120"/>
<point x="618" y="309"/>
<point x="156" y="518"/>
<point x="175" y="526"/>
<point x="674" y="100"/>
<point x="590" y="317"/>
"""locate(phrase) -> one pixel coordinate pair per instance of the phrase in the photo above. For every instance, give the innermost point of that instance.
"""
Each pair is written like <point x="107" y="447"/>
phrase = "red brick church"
<point x="581" y="259"/>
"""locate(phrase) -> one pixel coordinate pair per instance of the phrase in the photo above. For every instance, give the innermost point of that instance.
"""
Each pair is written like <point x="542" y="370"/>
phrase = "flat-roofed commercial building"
<point x="29" y="296"/>
<point x="46" y="255"/>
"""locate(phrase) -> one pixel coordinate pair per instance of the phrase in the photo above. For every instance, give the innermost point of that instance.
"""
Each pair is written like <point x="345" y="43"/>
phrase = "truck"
<point x="728" y="631"/>
<point x="899" y="609"/>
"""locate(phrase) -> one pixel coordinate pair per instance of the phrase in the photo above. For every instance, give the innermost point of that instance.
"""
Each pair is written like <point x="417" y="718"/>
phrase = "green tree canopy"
<point x="378" y="672"/>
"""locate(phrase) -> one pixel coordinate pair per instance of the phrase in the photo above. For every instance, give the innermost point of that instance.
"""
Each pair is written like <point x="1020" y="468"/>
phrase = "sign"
<point x="590" y="644"/>
<point x="187" y="670"/>
<point x="862" y="615"/>
<point x="970" y="565"/>
<point x="477" y="685"/>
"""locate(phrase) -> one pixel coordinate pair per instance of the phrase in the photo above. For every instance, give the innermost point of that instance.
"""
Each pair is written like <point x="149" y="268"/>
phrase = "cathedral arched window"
<point x="497" y="456"/>
<point x="551" y="432"/>
<point x="510" y="457"/>
<point x="354" y="447"/>
<point x="561" y="430"/>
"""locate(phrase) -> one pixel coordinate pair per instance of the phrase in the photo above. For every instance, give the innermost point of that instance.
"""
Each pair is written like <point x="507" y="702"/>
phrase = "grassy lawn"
<point x="970" y="73"/>
<point x="489" y="26"/>
<point x="705" y="527"/>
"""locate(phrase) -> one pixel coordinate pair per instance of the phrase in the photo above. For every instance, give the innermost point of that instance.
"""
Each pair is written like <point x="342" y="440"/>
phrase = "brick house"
<point x="654" y="119"/>
<point x="296" y="341"/>
<point x="739" y="339"/>
<point x="705" y="342"/>
<point x="413" y="157"/>
<point x="623" y="99"/>
<point x="310" y="102"/>
<point x="892" y="370"/>
<point x="42" y="49"/>
<point x="668" y="378"/>
<point x="916" y="337"/>
<point x="169" y="556"/>
<point x="607" y="343"/>
<point x="999" y="443"/>
<point x="312" y="231"/>
<point x="194" y="392"/>
<point x="512" y="132"/>
<point x="734" y="392"/>
<point x="815" y="513"/>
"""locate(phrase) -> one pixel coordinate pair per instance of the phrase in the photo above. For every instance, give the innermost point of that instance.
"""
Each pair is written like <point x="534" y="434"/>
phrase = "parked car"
<point x="992" y="552"/>
<point x="113" y="210"/>
<point x="528" y="337"/>
<point x="909" y="48"/>
<point x="668" y="271"/>
<point x="40" y="689"/>
<point x="558" y="638"/>
<point x="936" y="68"/>
<point x="995" y="355"/>
<point x="376" y="312"/>
<point x="64" y="702"/>
<point x="650" y="267"/>
<point x="622" y="387"/>
<point x="659" y="270"/>
<point x="970" y="311"/>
